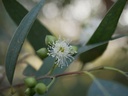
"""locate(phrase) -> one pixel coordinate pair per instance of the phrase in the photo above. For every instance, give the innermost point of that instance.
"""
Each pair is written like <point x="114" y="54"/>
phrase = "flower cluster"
<point x="59" y="48"/>
<point x="62" y="51"/>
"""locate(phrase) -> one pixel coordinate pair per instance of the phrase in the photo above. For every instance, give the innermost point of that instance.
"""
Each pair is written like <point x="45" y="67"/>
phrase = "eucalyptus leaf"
<point x="113" y="88"/>
<point x="109" y="23"/>
<point x="37" y="33"/>
<point x="104" y="31"/>
<point x="29" y="71"/>
<point x="46" y="66"/>
<point x="18" y="40"/>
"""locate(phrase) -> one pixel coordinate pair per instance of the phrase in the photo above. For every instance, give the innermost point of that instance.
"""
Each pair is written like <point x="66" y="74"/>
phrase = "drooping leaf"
<point x="18" y="40"/>
<point x="113" y="88"/>
<point x="46" y="66"/>
<point x="104" y="31"/>
<point x="37" y="32"/>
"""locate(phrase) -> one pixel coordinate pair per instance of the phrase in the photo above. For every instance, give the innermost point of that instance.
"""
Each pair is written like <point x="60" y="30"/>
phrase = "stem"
<point x="53" y="79"/>
<point x="98" y="83"/>
<point x="110" y="68"/>
<point x="12" y="91"/>
<point x="52" y="69"/>
<point x="117" y="70"/>
<point x="68" y="73"/>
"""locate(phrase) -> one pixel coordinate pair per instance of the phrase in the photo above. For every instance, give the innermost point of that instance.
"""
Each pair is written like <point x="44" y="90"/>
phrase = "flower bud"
<point x="40" y="88"/>
<point x="42" y="53"/>
<point x="75" y="49"/>
<point x="49" y="39"/>
<point x="29" y="92"/>
<point x="30" y="82"/>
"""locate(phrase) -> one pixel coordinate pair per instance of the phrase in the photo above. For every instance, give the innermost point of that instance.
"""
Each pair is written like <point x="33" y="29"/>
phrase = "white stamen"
<point x="62" y="51"/>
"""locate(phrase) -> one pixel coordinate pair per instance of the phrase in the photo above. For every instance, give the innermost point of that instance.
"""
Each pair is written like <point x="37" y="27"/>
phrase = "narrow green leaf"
<point x="104" y="31"/>
<point x="18" y="40"/>
<point x="108" y="25"/>
<point x="17" y="12"/>
<point x="92" y="54"/>
<point x="29" y="71"/>
<point x="44" y="69"/>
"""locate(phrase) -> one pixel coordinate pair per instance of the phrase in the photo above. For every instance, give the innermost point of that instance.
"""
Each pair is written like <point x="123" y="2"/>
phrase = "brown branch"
<point x="68" y="73"/>
<point x="43" y="77"/>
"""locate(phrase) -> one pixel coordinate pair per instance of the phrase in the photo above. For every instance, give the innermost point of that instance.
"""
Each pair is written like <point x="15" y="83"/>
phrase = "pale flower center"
<point x="61" y="49"/>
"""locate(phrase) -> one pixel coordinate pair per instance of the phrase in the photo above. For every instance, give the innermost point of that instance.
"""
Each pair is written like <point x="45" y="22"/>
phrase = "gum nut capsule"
<point x="49" y="39"/>
<point x="42" y="53"/>
<point x="29" y="92"/>
<point x="40" y="88"/>
<point x="30" y="82"/>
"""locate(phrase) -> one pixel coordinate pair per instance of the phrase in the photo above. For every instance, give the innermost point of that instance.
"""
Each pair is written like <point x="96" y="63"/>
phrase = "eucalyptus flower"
<point x="62" y="51"/>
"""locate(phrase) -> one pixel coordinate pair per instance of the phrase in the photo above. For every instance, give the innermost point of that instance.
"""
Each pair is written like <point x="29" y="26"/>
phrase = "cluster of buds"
<point x="33" y="87"/>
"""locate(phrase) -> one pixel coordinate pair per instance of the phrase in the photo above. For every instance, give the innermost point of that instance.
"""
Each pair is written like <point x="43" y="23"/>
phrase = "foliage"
<point x="30" y="28"/>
